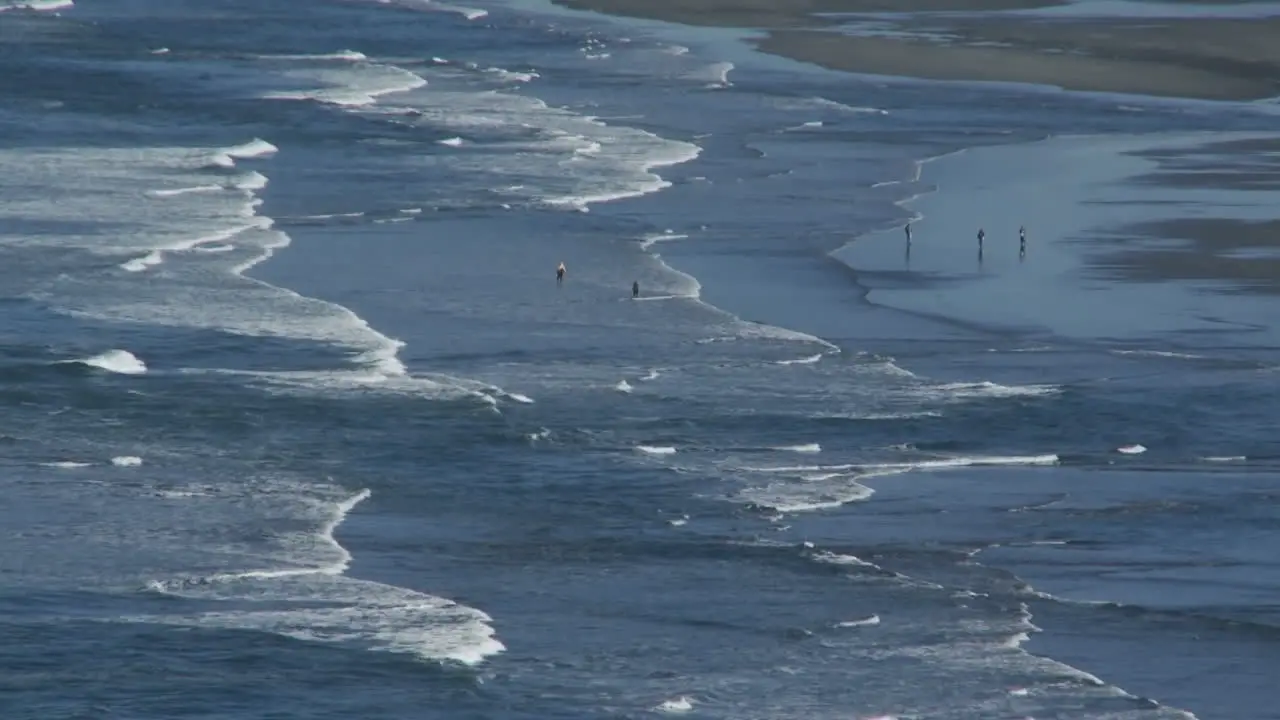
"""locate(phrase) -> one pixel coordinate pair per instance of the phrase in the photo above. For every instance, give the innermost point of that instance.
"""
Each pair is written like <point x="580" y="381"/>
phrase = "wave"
<point x="116" y="361"/>
<point x="572" y="161"/>
<point x="309" y="597"/>
<point x="433" y="6"/>
<point x="357" y="84"/>
<point x="985" y="389"/>
<point x="649" y="241"/>
<point x="1160" y="353"/>
<point x="808" y="360"/>
<point x="37" y="5"/>
<point x="682" y="704"/>
<point x="255" y="148"/>
<point x="715" y="75"/>
<point x="805" y="448"/>
<point x="126" y="461"/>
<point x="347" y="55"/>
<point x="658" y="450"/>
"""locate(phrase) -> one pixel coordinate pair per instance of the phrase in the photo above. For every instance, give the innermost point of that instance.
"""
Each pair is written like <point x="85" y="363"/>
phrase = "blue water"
<point x="300" y="425"/>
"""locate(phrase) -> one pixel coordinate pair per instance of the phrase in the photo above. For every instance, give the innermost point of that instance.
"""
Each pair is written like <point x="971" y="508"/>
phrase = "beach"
<point x="1200" y="56"/>
<point x="299" y="411"/>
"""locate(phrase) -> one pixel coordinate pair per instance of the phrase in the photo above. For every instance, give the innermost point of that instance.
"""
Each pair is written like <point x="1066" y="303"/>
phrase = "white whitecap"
<point x="804" y="448"/>
<point x="1134" y="449"/>
<point x="682" y="704"/>
<point x="126" y="461"/>
<point x="864" y="622"/>
<point x="116" y="361"/>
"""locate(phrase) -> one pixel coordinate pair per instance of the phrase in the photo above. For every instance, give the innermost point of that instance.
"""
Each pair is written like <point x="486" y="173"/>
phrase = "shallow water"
<point x="298" y="414"/>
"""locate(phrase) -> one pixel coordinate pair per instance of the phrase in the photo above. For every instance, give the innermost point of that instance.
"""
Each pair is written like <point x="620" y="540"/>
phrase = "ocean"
<point x="300" y="425"/>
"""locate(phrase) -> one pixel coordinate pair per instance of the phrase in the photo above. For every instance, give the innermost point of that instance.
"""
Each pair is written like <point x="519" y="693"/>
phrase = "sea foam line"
<point x="317" y="602"/>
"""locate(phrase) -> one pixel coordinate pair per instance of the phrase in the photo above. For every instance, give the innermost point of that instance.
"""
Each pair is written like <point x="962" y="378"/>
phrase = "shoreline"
<point x="1098" y="265"/>
<point x="1183" y="57"/>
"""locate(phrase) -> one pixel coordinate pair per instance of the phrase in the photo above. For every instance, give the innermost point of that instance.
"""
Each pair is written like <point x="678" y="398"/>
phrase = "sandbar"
<point x="971" y="40"/>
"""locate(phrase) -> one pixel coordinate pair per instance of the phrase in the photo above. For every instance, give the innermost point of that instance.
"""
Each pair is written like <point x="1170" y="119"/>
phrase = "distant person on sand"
<point x="560" y="274"/>
<point x="635" y="289"/>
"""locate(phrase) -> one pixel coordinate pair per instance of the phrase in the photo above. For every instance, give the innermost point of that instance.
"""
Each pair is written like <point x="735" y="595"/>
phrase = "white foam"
<point x="824" y="104"/>
<point x="715" y="75"/>
<point x="185" y="190"/>
<point x="356" y="85"/>
<point x="831" y="558"/>
<point x="623" y="386"/>
<point x="1134" y="449"/>
<point x="451" y="142"/>
<point x="864" y="622"/>
<point x="214" y="248"/>
<point x="1225" y="458"/>
<point x="984" y="389"/>
<point x="648" y="241"/>
<point x="255" y="148"/>
<point x="1160" y="353"/>
<point x="433" y="6"/>
<point x="304" y="593"/>
<point x="116" y="361"/>
<point x="344" y="55"/>
<point x="656" y="450"/>
<point x="512" y="75"/>
<point x="66" y="464"/>
<point x="808" y="360"/>
<point x="650" y="376"/>
<point x="38" y="5"/>
<point x="126" y="461"/>
<point x="756" y="331"/>
<point x="808" y="495"/>
<point x="160" y="51"/>
<point x="805" y="448"/>
<point x="144" y="262"/>
<point x="682" y="704"/>
<point x="572" y="162"/>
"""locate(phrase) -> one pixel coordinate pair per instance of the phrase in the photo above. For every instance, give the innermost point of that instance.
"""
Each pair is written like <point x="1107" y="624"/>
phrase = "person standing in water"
<point x="1022" y="240"/>
<point x="635" y="289"/>
<point x="560" y="274"/>
<point x="907" y="228"/>
<point x="982" y="235"/>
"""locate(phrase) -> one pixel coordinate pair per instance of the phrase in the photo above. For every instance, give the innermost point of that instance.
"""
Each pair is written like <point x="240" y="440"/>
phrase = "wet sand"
<point x="1236" y="254"/>
<point x="1203" y="58"/>
<point x="770" y="14"/>
<point x="1113" y="251"/>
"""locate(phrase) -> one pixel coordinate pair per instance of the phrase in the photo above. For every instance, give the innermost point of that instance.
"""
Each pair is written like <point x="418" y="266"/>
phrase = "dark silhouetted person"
<point x="982" y="235"/>
<point x="1022" y="241"/>
<point x="907" y="228"/>
<point x="560" y="274"/>
<point x="635" y="289"/>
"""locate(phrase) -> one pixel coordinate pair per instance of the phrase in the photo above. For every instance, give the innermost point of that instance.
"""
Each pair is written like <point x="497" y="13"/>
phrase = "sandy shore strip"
<point x="971" y="40"/>
<point x="769" y="14"/>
